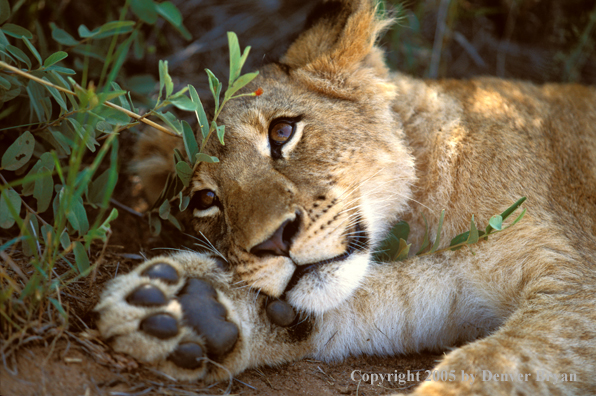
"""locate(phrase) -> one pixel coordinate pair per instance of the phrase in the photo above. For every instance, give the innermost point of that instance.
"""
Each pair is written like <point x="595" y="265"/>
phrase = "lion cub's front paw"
<point x="159" y="315"/>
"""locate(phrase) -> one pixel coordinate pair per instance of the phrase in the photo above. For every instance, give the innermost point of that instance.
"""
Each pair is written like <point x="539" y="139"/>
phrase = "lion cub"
<point x="312" y="176"/>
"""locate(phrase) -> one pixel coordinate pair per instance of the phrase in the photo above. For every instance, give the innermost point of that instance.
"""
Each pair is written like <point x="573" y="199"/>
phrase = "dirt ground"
<point x="536" y="40"/>
<point x="78" y="369"/>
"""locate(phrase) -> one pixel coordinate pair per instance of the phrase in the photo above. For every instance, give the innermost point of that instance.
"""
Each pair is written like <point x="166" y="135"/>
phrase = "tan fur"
<point x="374" y="148"/>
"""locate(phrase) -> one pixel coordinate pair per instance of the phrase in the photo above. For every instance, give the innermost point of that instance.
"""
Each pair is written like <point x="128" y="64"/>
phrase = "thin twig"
<point x="109" y="104"/>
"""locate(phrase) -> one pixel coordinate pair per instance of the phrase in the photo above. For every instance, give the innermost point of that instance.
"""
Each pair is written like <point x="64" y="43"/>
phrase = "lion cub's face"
<point x="312" y="174"/>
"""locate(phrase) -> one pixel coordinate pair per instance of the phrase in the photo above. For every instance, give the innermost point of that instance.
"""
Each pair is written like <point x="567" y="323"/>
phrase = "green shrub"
<point x="60" y="166"/>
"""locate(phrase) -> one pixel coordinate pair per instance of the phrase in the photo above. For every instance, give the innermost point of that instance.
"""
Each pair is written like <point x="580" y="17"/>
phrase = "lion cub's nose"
<point x="280" y="242"/>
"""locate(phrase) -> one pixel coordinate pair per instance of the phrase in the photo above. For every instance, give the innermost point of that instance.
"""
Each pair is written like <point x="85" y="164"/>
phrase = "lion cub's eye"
<point x="281" y="132"/>
<point x="203" y="199"/>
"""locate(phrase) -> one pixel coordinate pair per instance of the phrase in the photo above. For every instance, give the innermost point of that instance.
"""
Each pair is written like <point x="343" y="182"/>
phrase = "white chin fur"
<point x="330" y="285"/>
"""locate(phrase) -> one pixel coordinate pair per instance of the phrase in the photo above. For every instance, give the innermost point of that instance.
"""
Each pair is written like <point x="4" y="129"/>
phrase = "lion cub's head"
<point x="314" y="171"/>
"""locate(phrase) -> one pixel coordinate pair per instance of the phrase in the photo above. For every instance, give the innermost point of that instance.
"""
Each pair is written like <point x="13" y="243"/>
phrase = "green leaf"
<point x="57" y="96"/>
<point x="77" y="217"/>
<point x="184" y="201"/>
<point x="221" y="130"/>
<point x="4" y="83"/>
<point x="215" y="87"/>
<point x="145" y="10"/>
<point x="47" y="232"/>
<point x="4" y="11"/>
<point x="200" y="112"/>
<point x="44" y="188"/>
<point x="19" y="54"/>
<point x="33" y="50"/>
<point x="173" y="220"/>
<point x="426" y="239"/>
<point x="184" y="172"/>
<point x="107" y="30"/>
<point x="104" y="126"/>
<point x="171" y="120"/>
<point x="389" y="247"/>
<point x="54" y="58"/>
<point x="85" y="133"/>
<point x="59" y="308"/>
<point x="241" y="83"/>
<point x="45" y="160"/>
<point x="81" y="258"/>
<point x="512" y="208"/>
<point x="177" y="156"/>
<point x="16" y="31"/>
<point x="31" y="230"/>
<point x="518" y="218"/>
<point x="10" y="95"/>
<point x="62" y="70"/>
<point x="164" y="79"/>
<point x="3" y="39"/>
<point x="202" y="157"/>
<point x="404" y="250"/>
<point x="102" y="231"/>
<point x="234" y="57"/>
<point x="116" y="25"/>
<point x="98" y="188"/>
<point x="12" y="198"/>
<point x="438" y="239"/>
<point x="473" y="238"/>
<point x="36" y="94"/>
<point x="170" y="13"/>
<point x="62" y="36"/>
<point x="19" y="152"/>
<point x="64" y="239"/>
<point x="190" y="141"/>
<point x="164" y="209"/>
<point x="496" y="222"/>
<point x="84" y="31"/>
<point x="154" y="225"/>
<point x="183" y="103"/>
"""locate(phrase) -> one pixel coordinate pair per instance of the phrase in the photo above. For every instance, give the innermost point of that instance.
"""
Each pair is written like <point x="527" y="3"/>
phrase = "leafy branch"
<point x="195" y="152"/>
<point x="395" y="247"/>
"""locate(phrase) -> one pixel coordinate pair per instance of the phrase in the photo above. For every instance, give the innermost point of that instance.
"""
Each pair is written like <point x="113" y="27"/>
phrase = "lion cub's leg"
<point x="545" y="348"/>
<point x="181" y="314"/>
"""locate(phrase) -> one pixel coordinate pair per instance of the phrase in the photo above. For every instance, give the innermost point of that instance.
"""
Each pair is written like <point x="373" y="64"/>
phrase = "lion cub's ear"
<point x="336" y="54"/>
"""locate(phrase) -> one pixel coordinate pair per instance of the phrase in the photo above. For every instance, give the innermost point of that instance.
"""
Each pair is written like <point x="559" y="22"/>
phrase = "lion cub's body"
<point x="372" y="148"/>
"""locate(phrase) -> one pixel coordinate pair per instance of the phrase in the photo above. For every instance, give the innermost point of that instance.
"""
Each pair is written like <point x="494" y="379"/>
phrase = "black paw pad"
<point x="162" y="326"/>
<point x="146" y="296"/>
<point x="187" y="355"/>
<point x="162" y="271"/>
<point x="207" y="316"/>
<point x="280" y="313"/>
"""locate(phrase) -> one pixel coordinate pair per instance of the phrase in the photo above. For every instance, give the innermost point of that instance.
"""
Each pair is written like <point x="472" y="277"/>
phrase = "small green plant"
<point x="60" y="168"/>
<point x="195" y="153"/>
<point x="396" y="248"/>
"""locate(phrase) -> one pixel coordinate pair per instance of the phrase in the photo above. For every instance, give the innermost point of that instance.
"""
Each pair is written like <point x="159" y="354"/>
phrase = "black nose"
<point x="280" y="242"/>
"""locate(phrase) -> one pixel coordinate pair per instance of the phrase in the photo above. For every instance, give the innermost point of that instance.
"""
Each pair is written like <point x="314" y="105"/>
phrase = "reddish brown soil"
<point x="77" y="371"/>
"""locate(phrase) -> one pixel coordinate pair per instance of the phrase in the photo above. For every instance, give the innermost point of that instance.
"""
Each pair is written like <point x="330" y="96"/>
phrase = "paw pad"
<point x="162" y="271"/>
<point x="207" y="316"/>
<point x="280" y="313"/>
<point x="187" y="355"/>
<point x="146" y="296"/>
<point x="162" y="326"/>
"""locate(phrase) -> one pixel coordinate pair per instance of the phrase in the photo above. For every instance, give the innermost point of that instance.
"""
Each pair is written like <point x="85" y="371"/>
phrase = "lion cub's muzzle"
<point x="280" y="242"/>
